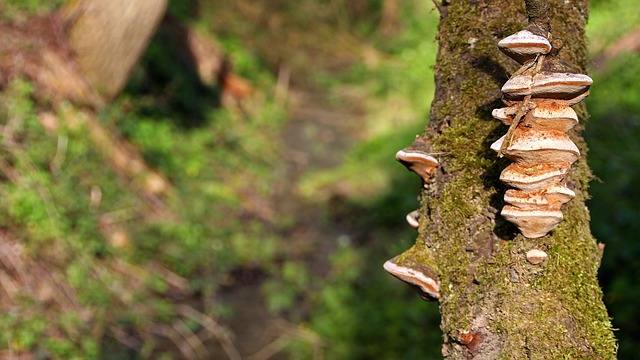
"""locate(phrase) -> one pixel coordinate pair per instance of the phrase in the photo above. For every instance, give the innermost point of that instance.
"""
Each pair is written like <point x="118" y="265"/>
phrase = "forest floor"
<point x="327" y="117"/>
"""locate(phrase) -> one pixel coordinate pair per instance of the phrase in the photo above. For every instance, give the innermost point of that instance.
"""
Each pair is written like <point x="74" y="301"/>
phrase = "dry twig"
<point x="214" y="328"/>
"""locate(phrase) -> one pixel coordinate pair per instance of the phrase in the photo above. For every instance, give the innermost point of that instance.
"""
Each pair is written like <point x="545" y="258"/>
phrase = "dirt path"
<point x="316" y="137"/>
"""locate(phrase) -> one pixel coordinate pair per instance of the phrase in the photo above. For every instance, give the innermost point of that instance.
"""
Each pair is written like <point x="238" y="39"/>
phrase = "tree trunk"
<point x="494" y="303"/>
<point x="108" y="38"/>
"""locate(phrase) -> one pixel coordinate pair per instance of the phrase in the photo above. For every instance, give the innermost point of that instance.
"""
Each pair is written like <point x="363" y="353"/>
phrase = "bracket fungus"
<point x="535" y="176"/>
<point x="538" y="99"/>
<point x="419" y="276"/>
<point x="563" y="86"/>
<point x="544" y="115"/>
<point x="416" y="159"/>
<point x="413" y="218"/>
<point x="531" y="146"/>
<point x="524" y="46"/>
<point x="416" y="266"/>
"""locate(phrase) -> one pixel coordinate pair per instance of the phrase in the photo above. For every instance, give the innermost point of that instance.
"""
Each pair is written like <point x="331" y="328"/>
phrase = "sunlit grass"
<point x="609" y="20"/>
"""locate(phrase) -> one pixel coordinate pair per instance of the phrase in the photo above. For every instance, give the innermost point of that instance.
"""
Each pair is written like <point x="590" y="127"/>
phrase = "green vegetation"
<point x="49" y="207"/>
<point x="106" y="271"/>
<point x="612" y="135"/>
<point x="19" y="9"/>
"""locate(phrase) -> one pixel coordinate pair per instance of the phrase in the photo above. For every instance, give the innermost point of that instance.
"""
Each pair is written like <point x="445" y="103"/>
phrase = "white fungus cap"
<point x="419" y="278"/>
<point x="550" y="85"/>
<point x="420" y="163"/>
<point x="534" y="176"/>
<point x="532" y="146"/>
<point x="532" y="223"/>
<point x="524" y="46"/>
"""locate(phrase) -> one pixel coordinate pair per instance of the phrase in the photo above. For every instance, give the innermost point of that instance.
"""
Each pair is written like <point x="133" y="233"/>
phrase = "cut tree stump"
<point x="108" y="38"/>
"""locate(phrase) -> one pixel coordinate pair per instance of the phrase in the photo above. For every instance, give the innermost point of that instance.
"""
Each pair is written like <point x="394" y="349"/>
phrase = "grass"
<point x="125" y="260"/>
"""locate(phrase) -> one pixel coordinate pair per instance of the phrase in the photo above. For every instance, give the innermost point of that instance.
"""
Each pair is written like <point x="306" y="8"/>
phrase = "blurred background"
<point x="264" y="197"/>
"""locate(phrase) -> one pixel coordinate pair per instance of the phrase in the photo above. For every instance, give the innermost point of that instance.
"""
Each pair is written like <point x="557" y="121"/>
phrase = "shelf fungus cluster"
<point x="416" y="266"/>
<point x="539" y="98"/>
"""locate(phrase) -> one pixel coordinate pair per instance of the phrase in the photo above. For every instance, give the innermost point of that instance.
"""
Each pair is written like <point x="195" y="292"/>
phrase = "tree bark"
<point x="108" y="38"/>
<point x="494" y="303"/>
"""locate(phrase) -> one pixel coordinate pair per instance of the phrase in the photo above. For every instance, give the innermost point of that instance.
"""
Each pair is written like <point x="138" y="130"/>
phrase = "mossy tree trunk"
<point x="494" y="304"/>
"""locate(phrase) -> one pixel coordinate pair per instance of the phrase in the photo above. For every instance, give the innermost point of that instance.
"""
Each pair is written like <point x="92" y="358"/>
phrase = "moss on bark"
<point x="494" y="304"/>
